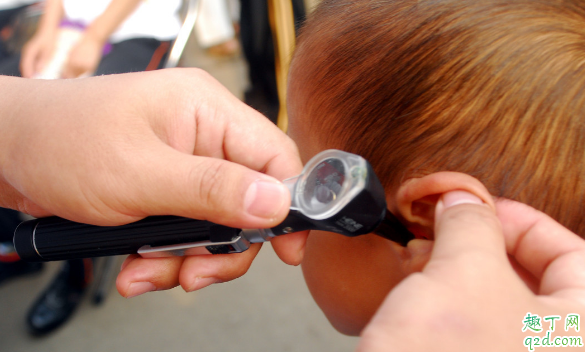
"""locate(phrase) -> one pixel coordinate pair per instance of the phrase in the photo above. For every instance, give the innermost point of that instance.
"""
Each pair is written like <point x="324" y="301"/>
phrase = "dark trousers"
<point x="258" y="48"/>
<point x="6" y="18"/>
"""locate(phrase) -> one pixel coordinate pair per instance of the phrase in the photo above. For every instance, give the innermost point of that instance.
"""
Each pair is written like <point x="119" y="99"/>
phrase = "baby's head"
<point x="487" y="89"/>
<point x="494" y="89"/>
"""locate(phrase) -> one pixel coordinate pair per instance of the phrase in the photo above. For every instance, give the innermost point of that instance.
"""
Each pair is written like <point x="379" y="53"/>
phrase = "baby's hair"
<point x="491" y="88"/>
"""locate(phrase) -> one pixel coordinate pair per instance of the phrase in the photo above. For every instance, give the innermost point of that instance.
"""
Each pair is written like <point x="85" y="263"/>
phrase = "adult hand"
<point x="470" y="298"/>
<point x="37" y="53"/>
<point x="113" y="149"/>
<point x="84" y="57"/>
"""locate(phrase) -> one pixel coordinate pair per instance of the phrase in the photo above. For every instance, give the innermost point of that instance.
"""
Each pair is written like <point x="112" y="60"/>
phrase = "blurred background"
<point x="268" y="309"/>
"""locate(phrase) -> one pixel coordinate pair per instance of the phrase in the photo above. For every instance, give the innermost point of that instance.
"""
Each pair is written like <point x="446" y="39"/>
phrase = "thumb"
<point x="466" y="229"/>
<point x="210" y="189"/>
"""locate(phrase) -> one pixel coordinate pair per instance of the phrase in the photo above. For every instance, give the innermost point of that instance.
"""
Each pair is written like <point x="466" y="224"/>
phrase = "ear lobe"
<point x="417" y="197"/>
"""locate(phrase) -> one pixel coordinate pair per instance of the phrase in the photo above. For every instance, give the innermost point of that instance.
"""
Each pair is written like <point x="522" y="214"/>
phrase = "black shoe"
<point x="56" y="304"/>
<point x="18" y="268"/>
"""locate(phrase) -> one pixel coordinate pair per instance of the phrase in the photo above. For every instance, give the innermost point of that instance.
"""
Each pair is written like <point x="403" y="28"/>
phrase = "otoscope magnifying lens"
<point x="324" y="184"/>
<point x="324" y="194"/>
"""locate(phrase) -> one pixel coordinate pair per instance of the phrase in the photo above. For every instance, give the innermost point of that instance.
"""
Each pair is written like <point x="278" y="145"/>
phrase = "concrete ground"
<point x="269" y="309"/>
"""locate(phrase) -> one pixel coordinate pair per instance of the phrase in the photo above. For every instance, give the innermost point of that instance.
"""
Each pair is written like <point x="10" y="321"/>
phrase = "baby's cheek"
<point x="350" y="277"/>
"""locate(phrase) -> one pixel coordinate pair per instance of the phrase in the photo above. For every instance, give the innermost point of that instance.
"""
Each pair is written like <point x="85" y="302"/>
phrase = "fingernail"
<point x="453" y="198"/>
<point x="139" y="288"/>
<point x="265" y="198"/>
<point x="201" y="282"/>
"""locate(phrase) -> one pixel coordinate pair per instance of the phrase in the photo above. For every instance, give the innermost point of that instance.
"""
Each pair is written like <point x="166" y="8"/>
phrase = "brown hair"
<point x="491" y="88"/>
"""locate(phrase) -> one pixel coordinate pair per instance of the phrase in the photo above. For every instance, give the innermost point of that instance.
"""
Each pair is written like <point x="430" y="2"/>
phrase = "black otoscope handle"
<point x="54" y="238"/>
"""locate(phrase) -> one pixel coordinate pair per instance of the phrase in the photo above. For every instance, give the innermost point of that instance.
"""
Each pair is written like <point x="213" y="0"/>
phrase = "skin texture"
<point x="135" y="145"/>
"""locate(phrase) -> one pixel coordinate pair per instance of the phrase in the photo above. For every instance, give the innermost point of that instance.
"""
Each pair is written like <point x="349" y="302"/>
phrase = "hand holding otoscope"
<point x="336" y="192"/>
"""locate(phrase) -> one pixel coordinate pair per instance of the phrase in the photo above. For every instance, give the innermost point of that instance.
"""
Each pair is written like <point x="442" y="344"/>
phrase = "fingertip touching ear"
<point x="417" y="198"/>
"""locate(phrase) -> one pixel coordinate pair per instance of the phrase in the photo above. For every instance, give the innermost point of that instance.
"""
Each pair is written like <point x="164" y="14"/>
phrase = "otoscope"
<point x="336" y="192"/>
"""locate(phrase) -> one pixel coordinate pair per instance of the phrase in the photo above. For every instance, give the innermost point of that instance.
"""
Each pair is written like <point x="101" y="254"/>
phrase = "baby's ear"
<point x="417" y="197"/>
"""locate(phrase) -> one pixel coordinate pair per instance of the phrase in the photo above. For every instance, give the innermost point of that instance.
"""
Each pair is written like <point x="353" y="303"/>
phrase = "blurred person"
<point x="83" y="38"/>
<point x="114" y="36"/>
<point x="258" y="49"/>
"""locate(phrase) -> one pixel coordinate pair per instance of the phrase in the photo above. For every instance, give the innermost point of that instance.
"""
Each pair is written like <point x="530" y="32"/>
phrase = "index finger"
<point x="240" y="134"/>
<point x="253" y="141"/>
<point x="544" y="247"/>
<point x="258" y="144"/>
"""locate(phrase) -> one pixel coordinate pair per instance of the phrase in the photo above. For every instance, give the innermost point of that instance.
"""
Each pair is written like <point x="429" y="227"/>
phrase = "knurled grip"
<point x="54" y="238"/>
